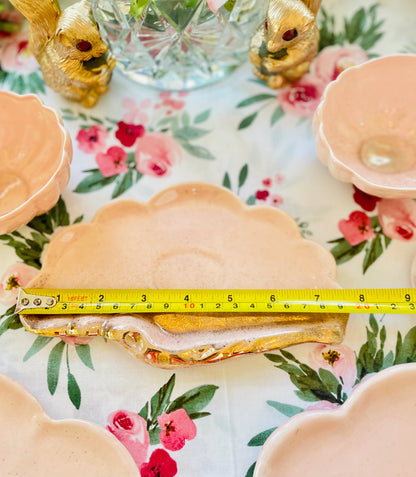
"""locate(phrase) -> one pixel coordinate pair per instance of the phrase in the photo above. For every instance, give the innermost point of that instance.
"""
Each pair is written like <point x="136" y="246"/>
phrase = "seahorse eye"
<point x="84" y="45"/>
<point x="290" y="34"/>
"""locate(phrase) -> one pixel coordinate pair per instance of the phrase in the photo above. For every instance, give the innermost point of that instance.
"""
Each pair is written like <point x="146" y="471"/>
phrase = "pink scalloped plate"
<point x="371" y="435"/>
<point x="192" y="235"/>
<point x="365" y="127"/>
<point x="32" y="444"/>
<point x="35" y="157"/>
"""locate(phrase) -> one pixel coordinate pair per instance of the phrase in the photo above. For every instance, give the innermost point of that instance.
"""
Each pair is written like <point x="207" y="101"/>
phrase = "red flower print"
<point x="366" y="201"/>
<point x="357" y="228"/>
<point x="131" y="430"/>
<point x="160" y="465"/>
<point x="398" y="218"/>
<point x="262" y="194"/>
<point x="128" y="133"/>
<point x="113" y="162"/>
<point x="176" y="427"/>
<point x="267" y="182"/>
<point x="156" y="153"/>
<point x="93" y="139"/>
<point x="302" y="98"/>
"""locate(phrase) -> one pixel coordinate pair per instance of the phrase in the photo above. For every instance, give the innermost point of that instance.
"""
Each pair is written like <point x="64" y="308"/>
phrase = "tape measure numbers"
<point x="98" y="301"/>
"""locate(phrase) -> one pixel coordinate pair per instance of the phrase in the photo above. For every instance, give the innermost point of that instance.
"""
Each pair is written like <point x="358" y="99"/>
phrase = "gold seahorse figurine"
<point x="284" y="46"/>
<point x="74" y="59"/>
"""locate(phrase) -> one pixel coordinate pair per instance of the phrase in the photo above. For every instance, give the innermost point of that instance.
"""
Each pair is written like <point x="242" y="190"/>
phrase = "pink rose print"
<point x="15" y="55"/>
<point x="135" y="113"/>
<point x="169" y="102"/>
<point x="267" y="182"/>
<point x="398" y="218"/>
<point x="333" y="60"/>
<point x="18" y="275"/>
<point x="366" y="201"/>
<point x="160" y="465"/>
<point x="302" y="98"/>
<point x="11" y="16"/>
<point x="276" y="200"/>
<point x="131" y="430"/>
<point x="176" y="428"/>
<point x="339" y="359"/>
<point x="357" y="228"/>
<point x="279" y="178"/>
<point x="321" y="406"/>
<point x="76" y="340"/>
<point x="113" y="162"/>
<point x="156" y="153"/>
<point x="214" y="5"/>
<point x="93" y="139"/>
<point x="128" y="133"/>
<point x="262" y="194"/>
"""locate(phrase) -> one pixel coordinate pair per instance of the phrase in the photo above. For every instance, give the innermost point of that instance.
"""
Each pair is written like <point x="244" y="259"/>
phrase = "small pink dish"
<point x="365" y="127"/>
<point x="371" y="435"/>
<point x="35" y="155"/>
<point x="32" y="444"/>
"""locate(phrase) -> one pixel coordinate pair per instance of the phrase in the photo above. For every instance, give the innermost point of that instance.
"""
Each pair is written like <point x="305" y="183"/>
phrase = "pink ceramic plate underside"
<point x="371" y="435"/>
<point x="35" y="152"/>
<point x="189" y="236"/>
<point x="34" y="445"/>
<point x="369" y="100"/>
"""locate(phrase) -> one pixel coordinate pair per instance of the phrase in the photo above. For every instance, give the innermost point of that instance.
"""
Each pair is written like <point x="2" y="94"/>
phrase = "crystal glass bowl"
<point x="365" y="127"/>
<point x="177" y="44"/>
<point x="35" y="155"/>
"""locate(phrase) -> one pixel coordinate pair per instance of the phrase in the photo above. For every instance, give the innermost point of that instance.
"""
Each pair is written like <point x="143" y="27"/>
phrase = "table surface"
<point x="259" y="144"/>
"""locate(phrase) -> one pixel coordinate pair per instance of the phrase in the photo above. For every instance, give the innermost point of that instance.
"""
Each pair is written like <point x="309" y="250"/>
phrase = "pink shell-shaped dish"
<point x="365" y="127"/>
<point x="34" y="445"/>
<point x="190" y="236"/>
<point x="371" y="435"/>
<point x="35" y="155"/>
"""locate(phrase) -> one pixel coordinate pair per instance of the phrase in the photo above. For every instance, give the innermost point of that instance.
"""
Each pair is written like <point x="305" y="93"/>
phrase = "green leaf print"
<point x="54" y="365"/>
<point x="192" y="402"/>
<point x="29" y="246"/>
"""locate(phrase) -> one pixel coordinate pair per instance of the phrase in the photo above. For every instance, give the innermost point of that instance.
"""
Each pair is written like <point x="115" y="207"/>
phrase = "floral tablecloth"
<point x="259" y="144"/>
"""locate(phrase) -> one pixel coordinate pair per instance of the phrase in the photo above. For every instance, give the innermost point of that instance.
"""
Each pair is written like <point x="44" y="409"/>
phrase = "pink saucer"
<point x="371" y="435"/>
<point x="34" y="445"/>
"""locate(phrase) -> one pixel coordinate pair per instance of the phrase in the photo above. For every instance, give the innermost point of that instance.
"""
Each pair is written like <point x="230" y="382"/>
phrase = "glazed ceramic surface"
<point x="35" y="154"/>
<point x="33" y="444"/>
<point x="371" y="435"/>
<point x="193" y="235"/>
<point x="365" y="127"/>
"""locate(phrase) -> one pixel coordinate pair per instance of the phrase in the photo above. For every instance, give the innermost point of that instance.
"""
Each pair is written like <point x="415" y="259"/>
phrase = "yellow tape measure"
<point x="81" y="301"/>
